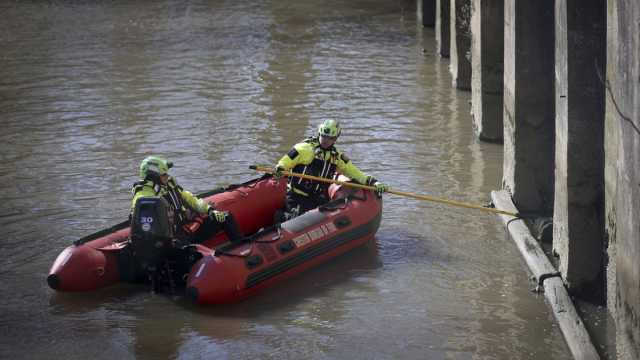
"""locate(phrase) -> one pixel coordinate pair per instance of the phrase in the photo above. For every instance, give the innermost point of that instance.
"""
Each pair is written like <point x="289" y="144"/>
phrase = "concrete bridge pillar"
<point x="460" y="44"/>
<point x="529" y="104"/>
<point x="578" y="215"/>
<point x="487" y="52"/>
<point x="443" y="34"/>
<point x="427" y="12"/>
<point x="622" y="178"/>
<point x="612" y="138"/>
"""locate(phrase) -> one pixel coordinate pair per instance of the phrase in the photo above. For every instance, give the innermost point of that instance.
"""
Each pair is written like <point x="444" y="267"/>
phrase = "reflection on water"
<point x="88" y="89"/>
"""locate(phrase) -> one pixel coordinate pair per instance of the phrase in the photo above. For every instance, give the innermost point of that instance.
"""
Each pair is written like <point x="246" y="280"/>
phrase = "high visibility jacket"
<point x="309" y="158"/>
<point x="182" y="202"/>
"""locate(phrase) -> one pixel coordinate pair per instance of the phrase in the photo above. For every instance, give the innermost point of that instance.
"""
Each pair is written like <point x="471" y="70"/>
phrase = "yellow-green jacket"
<point x="179" y="199"/>
<point x="309" y="158"/>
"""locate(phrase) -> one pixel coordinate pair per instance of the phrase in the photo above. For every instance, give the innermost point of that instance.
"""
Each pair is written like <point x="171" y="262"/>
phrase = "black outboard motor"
<point x="151" y="230"/>
<point x="152" y="233"/>
<point x="157" y="253"/>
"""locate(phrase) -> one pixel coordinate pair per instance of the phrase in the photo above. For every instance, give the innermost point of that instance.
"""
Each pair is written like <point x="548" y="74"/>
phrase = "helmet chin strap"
<point x="331" y="143"/>
<point x="154" y="177"/>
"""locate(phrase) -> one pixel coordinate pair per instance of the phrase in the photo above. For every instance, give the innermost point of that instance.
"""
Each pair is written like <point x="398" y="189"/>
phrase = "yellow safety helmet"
<point x="154" y="166"/>
<point x="329" y="128"/>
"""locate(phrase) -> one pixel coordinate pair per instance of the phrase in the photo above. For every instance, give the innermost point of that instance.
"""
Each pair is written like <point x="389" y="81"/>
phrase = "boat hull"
<point x="225" y="272"/>
<point x="101" y="259"/>
<point x="298" y="245"/>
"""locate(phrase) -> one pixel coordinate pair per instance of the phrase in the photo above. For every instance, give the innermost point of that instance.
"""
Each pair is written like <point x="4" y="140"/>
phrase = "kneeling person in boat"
<point x="317" y="156"/>
<point x="183" y="205"/>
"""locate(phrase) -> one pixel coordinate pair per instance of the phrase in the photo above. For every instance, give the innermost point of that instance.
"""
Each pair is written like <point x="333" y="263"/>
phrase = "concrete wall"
<point x="460" y="43"/>
<point x="529" y="104"/>
<point x="426" y="12"/>
<point x="623" y="118"/>
<point x="487" y="51"/>
<point x="443" y="32"/>
<point x="578" y="215"/>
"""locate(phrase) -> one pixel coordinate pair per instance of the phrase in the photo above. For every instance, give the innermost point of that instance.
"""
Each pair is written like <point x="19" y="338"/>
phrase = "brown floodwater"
<point x="89" y="88"/>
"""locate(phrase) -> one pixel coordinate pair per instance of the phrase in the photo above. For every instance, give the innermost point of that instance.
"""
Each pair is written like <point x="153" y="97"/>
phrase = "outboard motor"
<point x="152" y="233"/>
<point x="157" y="254"/>
<point x="151" y="230"/>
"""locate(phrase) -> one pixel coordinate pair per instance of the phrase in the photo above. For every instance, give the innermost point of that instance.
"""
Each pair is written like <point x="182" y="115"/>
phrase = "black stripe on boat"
<point x="313" y="252"/>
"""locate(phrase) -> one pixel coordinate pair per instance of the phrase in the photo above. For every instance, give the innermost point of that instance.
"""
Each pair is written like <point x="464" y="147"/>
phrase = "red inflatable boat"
<point x="217" y="271"/>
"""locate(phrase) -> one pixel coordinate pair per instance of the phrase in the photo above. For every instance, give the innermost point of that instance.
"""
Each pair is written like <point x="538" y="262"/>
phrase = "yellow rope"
<point x="270" y="170"/>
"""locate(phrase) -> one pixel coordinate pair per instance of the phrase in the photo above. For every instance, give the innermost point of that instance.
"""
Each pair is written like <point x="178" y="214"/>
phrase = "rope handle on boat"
<point x="338" y="204"/>
<point x="274" y="238"/>
<point x="486" y="208"/>
<point x="244" y="254"/>
<point x="252" y="242"/>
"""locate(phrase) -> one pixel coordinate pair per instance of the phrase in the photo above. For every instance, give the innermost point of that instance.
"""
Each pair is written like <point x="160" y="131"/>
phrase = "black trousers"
<point x="210" y="227"/>
<point x="303" y="203"/>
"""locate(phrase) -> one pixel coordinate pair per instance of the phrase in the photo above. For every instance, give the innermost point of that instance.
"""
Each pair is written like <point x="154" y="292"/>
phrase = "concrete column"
<point x="442" y="27"/>
<point x="623" y="116"/>
<point x="578" y="215"/>
<point x="529" y="104"/>
<point x="612" y="138"/>
<point x="460" y="65"/>
<point x="427" y="12"/>
<point x="487" y="52"/>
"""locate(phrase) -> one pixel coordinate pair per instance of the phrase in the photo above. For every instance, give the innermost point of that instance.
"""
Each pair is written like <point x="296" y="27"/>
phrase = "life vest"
<point x="324" y="165"/>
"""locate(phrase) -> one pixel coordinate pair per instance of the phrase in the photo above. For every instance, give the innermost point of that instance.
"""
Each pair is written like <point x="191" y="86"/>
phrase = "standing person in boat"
<point x="317" y="156"/>
<point x="155" y="181"/>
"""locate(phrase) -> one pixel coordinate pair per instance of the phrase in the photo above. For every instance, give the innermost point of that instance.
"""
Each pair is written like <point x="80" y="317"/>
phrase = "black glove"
<point x="380" y="187"/>
<point x="215" y="215"/>
<point x="370" y="181"/>
<point x="277" y="171"/>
